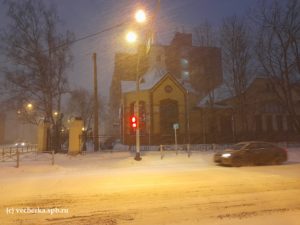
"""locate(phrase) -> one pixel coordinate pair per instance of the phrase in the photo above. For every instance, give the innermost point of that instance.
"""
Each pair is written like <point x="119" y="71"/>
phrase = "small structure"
<point x="42" y="139"/>
<point x="75" y="132"/>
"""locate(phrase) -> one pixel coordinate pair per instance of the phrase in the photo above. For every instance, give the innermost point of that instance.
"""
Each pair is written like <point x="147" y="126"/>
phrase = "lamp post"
<point x="137" y="110"/>
<point x="141" y="18"/>
<point x="131" y="37"/>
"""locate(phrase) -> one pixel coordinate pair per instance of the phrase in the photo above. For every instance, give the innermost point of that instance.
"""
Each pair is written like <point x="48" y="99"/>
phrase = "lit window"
<point x="184" y="63"/>
<point x="185" y="74"/>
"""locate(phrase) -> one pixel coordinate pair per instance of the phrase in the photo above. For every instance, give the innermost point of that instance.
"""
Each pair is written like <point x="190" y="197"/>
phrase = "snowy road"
<point x="111" y="189"/>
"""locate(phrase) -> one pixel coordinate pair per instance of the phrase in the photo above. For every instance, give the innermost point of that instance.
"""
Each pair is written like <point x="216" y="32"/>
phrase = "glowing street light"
<point x="29" y="106"/>
<point x="131" y="37"/>
<point x="140" y="16"/>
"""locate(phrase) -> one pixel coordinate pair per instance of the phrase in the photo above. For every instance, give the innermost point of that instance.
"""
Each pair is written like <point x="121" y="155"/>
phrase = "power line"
<point x="171" y="9"/>
<point x="81" y="38"/>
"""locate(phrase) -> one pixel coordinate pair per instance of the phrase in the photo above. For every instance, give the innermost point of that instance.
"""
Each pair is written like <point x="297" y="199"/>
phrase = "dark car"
<point x="251" y="153"/>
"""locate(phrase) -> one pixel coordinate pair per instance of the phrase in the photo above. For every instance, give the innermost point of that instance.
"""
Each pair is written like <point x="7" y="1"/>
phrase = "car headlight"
<point x="226" y="155"/>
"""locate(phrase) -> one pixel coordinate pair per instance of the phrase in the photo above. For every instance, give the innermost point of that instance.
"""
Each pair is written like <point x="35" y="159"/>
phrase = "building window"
<point x="258" y="123"/>
<point x="290" y="124"/>
<point x="169" y="115"/>
<point x="269" y="123"/>
<point x="184" y="63"/>
<point x="272" y="107"/>
<point x="185" y="74"/>
<point x="279" y="121"/>
<point x="168" y="89"/>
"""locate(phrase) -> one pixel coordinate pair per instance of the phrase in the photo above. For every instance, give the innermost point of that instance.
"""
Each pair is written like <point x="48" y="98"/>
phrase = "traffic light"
<point x="133" y="122"/>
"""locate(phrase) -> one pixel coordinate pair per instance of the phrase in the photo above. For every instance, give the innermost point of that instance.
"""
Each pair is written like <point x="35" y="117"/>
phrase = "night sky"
<point x="84" y="17"/>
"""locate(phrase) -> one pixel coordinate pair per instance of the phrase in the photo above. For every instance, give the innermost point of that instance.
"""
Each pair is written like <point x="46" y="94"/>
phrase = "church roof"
<point x="151" y="78"/>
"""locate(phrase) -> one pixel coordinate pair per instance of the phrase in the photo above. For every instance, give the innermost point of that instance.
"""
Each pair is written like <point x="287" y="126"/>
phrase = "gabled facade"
<point x="163" y="102"/>
<point x="196" y="68"/>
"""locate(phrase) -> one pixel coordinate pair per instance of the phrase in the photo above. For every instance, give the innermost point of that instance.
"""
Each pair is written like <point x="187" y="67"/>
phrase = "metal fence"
<point x="18" y="154"/>
<point x="183" y="147"/>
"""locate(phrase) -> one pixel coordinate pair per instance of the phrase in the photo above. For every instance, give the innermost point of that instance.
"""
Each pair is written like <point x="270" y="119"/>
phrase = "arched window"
<point x="169" y="114"/>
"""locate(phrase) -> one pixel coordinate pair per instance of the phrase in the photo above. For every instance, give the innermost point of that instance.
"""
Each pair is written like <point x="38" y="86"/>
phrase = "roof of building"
<point x="223" y="92"/>
<point x="220" y="93"/>
<point x="152" y="77"/>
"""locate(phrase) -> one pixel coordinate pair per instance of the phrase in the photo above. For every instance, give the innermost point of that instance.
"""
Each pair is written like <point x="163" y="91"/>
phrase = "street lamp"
<point x="29" y="106"/>
<point x="131" y="37"/>
<point x="140" y="16"/>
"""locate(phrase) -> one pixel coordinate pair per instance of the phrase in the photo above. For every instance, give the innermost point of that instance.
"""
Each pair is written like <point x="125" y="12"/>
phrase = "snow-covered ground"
<point x="111" y="188"/>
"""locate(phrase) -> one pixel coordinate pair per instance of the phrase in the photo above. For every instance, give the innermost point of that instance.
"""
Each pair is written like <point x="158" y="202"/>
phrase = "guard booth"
<point x="75" y="132"/>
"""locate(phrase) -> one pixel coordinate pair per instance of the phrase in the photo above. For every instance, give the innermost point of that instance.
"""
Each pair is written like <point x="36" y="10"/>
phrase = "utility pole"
<point x="96" y="115"/>
<point x="137" y="111"/>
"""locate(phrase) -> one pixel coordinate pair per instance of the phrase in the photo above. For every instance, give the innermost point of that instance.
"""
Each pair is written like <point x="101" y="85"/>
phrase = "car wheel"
<point x="277" y="161"/>
<point x="237" y="162"/>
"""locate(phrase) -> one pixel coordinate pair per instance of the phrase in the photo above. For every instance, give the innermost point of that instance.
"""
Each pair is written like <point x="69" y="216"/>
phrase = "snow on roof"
<point x="220" y="93"/>
<point x="127" y="86"/>
<point x="187" y="86"/>
<point x="150" y="78"/>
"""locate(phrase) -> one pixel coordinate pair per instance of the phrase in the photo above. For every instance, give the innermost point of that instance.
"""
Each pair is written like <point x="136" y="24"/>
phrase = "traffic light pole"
<point x="137" y="110"/>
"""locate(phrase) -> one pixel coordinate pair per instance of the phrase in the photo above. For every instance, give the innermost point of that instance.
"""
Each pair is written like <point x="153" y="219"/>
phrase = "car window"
<point x="238" y="146"/>
<point x="266" y="145"/>
<point x="253" y="146"/>
<point x="258" y="146"/>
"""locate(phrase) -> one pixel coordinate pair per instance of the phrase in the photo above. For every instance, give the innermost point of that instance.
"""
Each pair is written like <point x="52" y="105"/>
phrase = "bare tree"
<point x="37" y="55"/>
<point x="278" y="50"/>
<point x="80" y="104"/>
<point x="205" y="35"/>
<point x="236" y="49"/>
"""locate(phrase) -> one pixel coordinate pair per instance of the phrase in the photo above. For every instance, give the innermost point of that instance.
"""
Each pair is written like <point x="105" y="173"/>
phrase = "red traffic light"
<point x="133" y="121"/>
